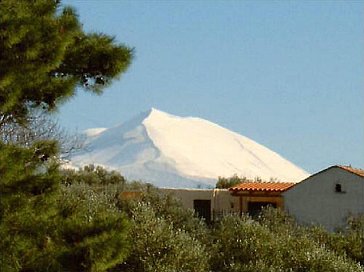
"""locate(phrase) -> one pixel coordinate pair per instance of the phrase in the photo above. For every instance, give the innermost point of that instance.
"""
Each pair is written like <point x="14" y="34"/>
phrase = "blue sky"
<point x="287" y="74"/>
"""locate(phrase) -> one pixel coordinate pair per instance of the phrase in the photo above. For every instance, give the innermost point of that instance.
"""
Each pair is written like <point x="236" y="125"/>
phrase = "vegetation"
<point x="225" y="183"/>
<point x="45" y="55"/>
<point x="94" y="232"/>
<point x="273" y="243"/>
<point x="166" y="237"/>
<point x="27" y="207"/>
<point x="159" y="245"/>
<point x="93" y="175"/>
<point x="67" y="220"/>
<point x="46" y="226"/>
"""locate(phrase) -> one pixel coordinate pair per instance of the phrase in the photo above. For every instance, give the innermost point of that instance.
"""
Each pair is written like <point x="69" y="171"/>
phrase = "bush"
<point x="242" y="244"/>
<point x="93" y="175"/>
<point x="166" y="206"/>
<point x="346" y="242"/>
<point x="158" y="245"/>
<point x="94" y="232"/>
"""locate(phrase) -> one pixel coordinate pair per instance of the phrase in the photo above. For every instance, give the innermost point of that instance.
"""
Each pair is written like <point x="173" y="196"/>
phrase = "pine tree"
<point x="28" y="187"/>
<point x="44" y="56"/>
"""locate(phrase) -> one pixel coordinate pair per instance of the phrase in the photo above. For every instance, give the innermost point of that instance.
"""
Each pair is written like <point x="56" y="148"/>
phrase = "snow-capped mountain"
<point x="181" y="152"/>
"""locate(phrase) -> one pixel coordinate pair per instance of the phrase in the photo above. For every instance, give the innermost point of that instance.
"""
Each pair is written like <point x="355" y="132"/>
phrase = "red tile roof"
<point x="357" y="171"/>
<point x="262" y="186"/>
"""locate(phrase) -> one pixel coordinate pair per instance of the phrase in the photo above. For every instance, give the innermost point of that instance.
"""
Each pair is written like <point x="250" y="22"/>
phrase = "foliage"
<point x="28" y="186"/>
<point x="166" y="206"/>
<point x="158" y="245"/>
<point x="45" y="55"/>
<point x="346" y="242"/>
<point x="354" y="236"/>
<point x="47" y="227"/>
<point x="271" y="242"/>
<point x="242" y="244"/>
<point x="154" y="216"/>
<point x="73" y="220"/>
<point x="92" y="175"/>
<point x="39" y="126"/>
<point x="226" y="183"/>
<point x="93" y="230"/>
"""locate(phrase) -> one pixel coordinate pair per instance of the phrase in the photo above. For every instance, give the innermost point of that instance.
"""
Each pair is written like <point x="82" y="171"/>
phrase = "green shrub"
<point x="242" y="244"/>
<point x="158" y="245"/>
<point x="94" y="232"/>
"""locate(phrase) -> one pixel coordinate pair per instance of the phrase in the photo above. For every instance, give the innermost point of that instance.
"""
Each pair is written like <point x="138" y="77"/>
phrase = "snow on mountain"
<point x="181" y="152"/>
<point x="92" y="132"/>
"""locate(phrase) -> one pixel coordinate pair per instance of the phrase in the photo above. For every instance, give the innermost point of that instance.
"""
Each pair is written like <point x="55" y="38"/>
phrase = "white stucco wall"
<point x="314" y="200"/>
<point x="221" y="199"/>
<point x="187" y="196"/>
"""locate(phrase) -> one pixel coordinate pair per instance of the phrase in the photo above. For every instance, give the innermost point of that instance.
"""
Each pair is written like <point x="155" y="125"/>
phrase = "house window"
<point x="338" y="188"/>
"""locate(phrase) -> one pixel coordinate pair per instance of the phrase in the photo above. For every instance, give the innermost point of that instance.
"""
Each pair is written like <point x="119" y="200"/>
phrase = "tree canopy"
<point x="45" y="55"/>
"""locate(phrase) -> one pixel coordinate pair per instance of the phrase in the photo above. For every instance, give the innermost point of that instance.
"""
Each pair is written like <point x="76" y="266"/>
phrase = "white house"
<point x="247" y="197"/>
<point x="328" y="197"/>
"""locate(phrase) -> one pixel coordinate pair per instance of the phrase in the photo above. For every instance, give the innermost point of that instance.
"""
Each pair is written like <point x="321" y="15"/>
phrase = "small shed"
<point x="253" y="196"/>
<point x="328" y="197"/>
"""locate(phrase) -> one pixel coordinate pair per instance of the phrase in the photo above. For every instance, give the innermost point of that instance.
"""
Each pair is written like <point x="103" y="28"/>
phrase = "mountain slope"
<point x="171" y="151"/>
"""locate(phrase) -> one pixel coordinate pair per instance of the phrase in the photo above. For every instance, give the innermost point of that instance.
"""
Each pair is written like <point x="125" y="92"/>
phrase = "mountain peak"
<point x="172" y="151"/>
<point x="153" y="112"/>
